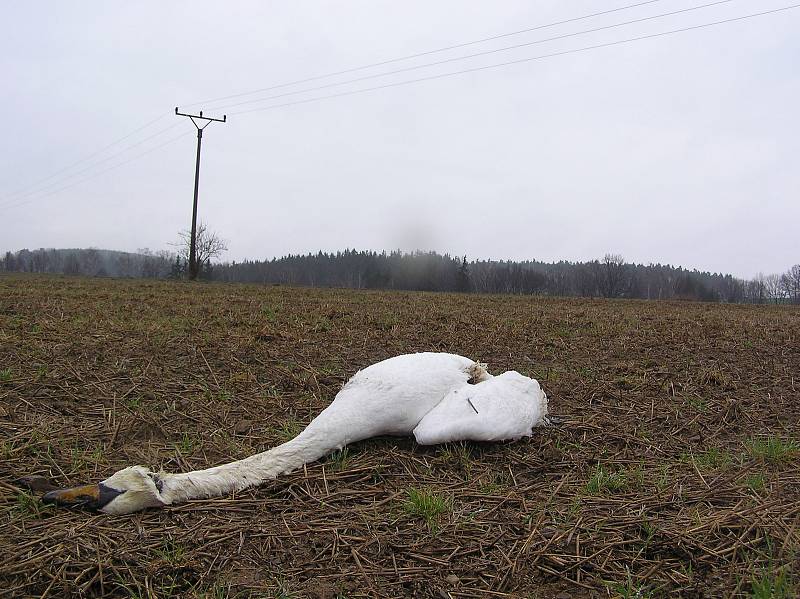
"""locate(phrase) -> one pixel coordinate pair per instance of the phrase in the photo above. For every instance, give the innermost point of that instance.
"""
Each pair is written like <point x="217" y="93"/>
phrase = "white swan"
<point x="427" y="394"/>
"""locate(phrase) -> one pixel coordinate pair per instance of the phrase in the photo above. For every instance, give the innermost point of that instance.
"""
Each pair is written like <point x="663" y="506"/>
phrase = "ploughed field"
<point x="675" y="470"/>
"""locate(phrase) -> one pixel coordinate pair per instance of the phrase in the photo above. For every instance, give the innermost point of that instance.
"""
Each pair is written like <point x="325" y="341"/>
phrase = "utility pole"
<point x="193" y="242"/>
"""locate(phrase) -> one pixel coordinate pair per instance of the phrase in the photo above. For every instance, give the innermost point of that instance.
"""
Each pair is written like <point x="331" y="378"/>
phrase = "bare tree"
<point x="791" y="283"/>
<point x="208" y="245"/>
<point x="756" y="289"/>
<point x="774" y="288"/>
<point x="613" y="277"/>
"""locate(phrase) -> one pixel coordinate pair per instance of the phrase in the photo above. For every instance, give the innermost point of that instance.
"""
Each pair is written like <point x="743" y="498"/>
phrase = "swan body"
<point x="418" y="394"/>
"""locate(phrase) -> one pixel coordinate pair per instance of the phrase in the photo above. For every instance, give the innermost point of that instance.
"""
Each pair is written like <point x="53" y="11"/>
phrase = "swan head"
<point x="130" y="490"/>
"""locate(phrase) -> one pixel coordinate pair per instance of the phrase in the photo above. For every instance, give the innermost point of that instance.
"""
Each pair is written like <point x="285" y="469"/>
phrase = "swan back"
<point x="392" y="396"/>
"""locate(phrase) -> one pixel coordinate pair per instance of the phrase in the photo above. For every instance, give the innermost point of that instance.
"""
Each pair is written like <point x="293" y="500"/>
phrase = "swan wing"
<point x="504" y="407"/>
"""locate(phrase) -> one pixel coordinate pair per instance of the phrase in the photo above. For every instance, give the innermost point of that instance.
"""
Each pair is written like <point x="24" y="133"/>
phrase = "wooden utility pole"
<point x="193" y="242"/>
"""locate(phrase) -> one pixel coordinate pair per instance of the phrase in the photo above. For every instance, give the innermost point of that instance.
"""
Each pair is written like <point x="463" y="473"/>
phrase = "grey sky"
<point x="682" y="149"/>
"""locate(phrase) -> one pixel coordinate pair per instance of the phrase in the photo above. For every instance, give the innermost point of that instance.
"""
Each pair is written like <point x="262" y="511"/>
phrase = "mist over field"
<point x="609" y="277"/>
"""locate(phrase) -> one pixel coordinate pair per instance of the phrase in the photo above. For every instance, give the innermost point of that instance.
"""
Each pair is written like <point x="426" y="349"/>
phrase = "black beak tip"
<point x="50" y="497"/>
<point x="35" y="483"/>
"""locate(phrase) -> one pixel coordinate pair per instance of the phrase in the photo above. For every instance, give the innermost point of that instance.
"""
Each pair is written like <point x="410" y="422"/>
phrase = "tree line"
<point x="109" y="263"/>
<point x="91" y="262"/>
<point x="610" y="277"/>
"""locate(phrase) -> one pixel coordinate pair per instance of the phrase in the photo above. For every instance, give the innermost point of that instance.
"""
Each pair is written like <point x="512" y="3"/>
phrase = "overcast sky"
<point x="681" y="149"/>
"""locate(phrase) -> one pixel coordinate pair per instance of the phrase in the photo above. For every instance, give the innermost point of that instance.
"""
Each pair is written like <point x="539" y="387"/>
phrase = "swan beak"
<point x="92" y="497"/>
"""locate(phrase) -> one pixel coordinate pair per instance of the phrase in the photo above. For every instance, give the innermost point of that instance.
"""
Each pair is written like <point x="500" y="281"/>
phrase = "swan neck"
<point x="249" y="472"/>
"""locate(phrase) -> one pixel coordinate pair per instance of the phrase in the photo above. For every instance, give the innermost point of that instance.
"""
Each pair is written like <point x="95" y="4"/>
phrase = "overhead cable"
<point x="514" y="62"/>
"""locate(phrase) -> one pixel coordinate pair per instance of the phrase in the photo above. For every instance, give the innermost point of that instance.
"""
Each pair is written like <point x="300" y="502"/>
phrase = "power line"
<point x="408" y="82"/>
<point x="475" y="55"/>
<point x="90" y="177"/>
<point x="518" y="61"/>
<point x="61" y="180"/>
<point x="85" y="158"/>
<point x="29" y="190"/>
<point x="420" y="54"/>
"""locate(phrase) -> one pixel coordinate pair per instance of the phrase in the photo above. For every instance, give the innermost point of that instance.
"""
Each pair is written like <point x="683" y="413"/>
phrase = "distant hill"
<point x="609" y="277"/>
<point x="91" y="262"/>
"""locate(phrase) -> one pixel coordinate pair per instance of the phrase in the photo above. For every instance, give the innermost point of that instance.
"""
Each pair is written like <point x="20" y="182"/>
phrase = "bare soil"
<point x="675" y="471"/>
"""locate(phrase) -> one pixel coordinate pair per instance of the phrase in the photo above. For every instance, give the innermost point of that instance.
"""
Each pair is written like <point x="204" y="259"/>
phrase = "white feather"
<point x="391" y="397"/>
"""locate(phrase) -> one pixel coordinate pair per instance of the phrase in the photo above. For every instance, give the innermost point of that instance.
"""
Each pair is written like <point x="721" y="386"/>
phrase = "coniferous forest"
<point x="609" y="277"/>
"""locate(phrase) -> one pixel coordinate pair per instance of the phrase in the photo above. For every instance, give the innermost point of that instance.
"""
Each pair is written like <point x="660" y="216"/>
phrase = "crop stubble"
<point x="653" y="484"/>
